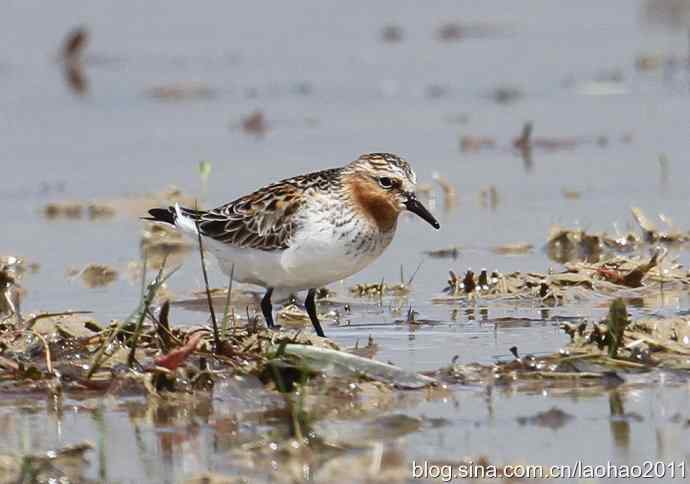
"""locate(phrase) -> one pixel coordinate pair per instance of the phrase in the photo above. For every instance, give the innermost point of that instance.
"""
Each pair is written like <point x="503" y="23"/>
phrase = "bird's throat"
<point x="373" y="202"/>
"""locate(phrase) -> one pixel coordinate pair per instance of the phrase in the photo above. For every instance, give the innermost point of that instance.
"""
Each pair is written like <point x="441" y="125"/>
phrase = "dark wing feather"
<point x="266" y="219"/>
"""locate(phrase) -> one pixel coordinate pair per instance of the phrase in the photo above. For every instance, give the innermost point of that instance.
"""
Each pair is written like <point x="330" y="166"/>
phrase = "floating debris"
<point x="567" y="245"/>
<point x="653" y="62"/>
<point x="378" y="289"/>
<point x="436" y="91"/>
<point x="181" y="91"/>
<point x="97" y="275"/>
<point x="255" y="123"/>
<point x="476" y="143"/>
<point x="392" y="34"/>
<point x="63" y="210"/>
<point x="79" y="210"/>
<point x="570" y="194"/>
<point x="518" y="248"/>
<point x="554" y="419"/>
<point x="447" y="253"/>
<point x="72" y="60"/>
<point x="159" y="241"/>
<point x="670" y="14"/>
<point x="74" y="44"/>
<point x="457" y="31"/>
<point x="525" y="140"/>
<point x="506" y="94"/>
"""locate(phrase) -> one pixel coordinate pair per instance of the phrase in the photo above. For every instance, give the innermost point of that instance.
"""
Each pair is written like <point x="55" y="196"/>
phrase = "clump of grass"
<point x="139" y="315"/>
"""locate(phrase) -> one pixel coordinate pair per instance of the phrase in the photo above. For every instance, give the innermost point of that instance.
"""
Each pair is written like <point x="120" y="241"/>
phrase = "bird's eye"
<point x="386" y="182"/>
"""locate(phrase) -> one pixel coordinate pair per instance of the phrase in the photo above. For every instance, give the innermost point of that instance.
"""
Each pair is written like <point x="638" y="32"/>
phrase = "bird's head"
<point x="383" y="185"/>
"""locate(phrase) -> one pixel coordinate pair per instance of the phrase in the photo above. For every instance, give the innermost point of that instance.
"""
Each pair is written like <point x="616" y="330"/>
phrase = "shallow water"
<point x="331" y="90"/>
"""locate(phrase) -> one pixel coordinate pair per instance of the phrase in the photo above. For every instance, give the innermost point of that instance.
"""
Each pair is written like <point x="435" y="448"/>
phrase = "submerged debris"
<point x="456" y="31"/>
<point x="107" y="209"/>
<point x="566" y="245"/>
<point x="181" y="91"/>
<point x="518" y="248"/>
<point x="469" y="143"/>
<point x="554" y="419"/>
<point x="72" y="59"/>
<point x="97" y="275"/>
<point x="506" y="94"/>
<point x="159" y="241"/>
<point x="392" y="34"/>
<point x="447" y="253"/>
<point x="255" y="123"/>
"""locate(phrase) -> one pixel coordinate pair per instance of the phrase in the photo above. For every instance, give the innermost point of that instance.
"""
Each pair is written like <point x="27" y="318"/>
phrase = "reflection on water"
<point x="242" y="429"/>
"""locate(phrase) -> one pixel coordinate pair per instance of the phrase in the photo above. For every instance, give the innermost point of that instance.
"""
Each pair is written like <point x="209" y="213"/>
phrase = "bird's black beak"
<point x="415" y="206"/>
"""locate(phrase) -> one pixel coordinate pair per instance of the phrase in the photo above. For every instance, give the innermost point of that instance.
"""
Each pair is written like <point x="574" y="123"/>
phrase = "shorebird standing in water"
<point x="307" y="231"/>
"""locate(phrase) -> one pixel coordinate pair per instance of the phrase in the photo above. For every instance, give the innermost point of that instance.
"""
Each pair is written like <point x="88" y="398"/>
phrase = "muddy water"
<point x="331" y="89"/>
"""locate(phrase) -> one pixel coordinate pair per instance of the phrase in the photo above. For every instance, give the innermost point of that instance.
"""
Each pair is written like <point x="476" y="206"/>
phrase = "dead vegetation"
<point x="599" y="356"/>
<point x="579" y="280"/>
<point x="568" y="245"/>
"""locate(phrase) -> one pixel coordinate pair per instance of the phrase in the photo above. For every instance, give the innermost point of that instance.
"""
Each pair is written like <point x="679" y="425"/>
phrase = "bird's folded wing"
<point x="264" y="220"/>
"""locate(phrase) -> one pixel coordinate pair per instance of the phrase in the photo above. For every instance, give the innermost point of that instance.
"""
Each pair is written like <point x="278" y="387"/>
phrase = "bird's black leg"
<point x="311" y="310"/>
<point x="267" y="307"/>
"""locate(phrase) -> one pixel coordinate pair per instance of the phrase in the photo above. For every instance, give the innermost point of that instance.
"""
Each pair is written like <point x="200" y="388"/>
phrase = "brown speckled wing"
<point x="268" y="218"/>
